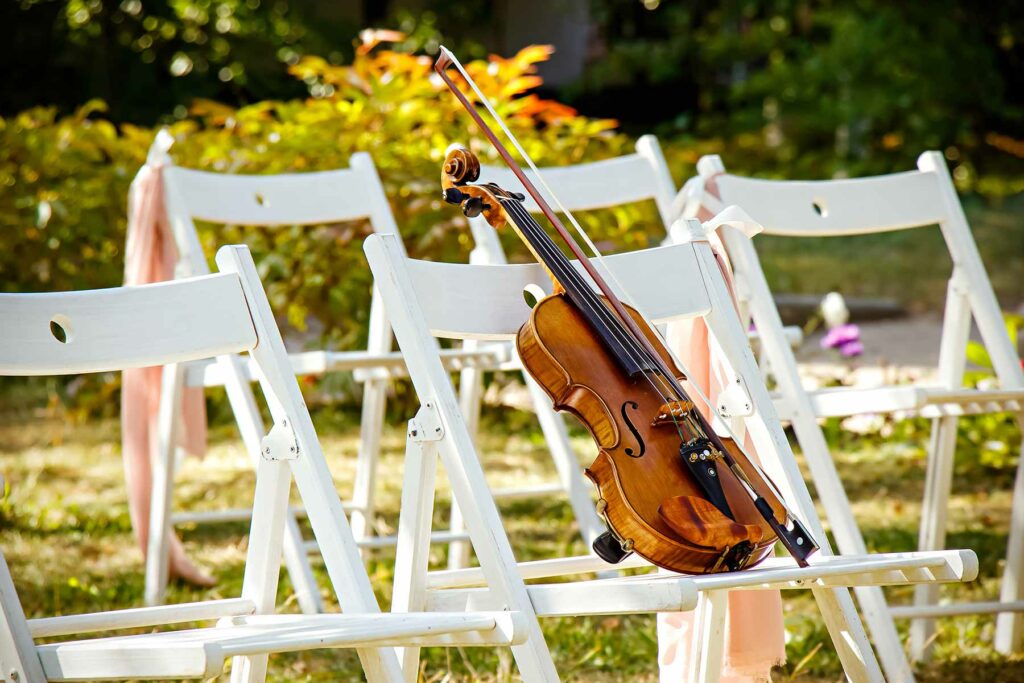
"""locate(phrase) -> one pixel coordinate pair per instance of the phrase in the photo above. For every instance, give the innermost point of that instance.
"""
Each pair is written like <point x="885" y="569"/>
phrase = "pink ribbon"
<point x="754" y="631"/>
<point x="150" y="256"/>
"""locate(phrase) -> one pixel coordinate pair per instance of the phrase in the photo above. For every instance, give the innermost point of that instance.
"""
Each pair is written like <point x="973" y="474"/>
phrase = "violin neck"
<point x="617" y="339"/>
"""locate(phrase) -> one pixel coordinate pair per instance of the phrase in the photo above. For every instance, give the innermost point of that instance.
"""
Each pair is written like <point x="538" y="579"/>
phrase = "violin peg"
<point x="473" y="207"/>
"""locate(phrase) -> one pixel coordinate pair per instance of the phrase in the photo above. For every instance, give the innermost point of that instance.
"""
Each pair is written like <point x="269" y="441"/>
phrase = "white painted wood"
<point x="414" y="521"/>
<point x="985" y="309"/>
<point x="765" y="430"/>
<point x="162" y="468"/>
<point x="486" y="302"/>
<point x="848" y="207"/>
<point x="956" y="609"/>
<point x="900" y="201"/>
<point x="468" y="484"/>
<point x="812" y="441"/>
<point x="313" y="198"/>
<point x="411" y="290"/>
<point x="17" y="651"/>
<point x="201" y="652"/>
<point x="103" y="325"/>
<point x="326" y="516"/>
<point x="289" y="199"/>
<point x="956" y="327"/>
<point x="594" y="185"/>
<point x="139" y="617"/>
<point x="667" y="592"/>
<point x="639" y="595"/>
<point x="706" y="642"/>
<point x="285" y="199"/>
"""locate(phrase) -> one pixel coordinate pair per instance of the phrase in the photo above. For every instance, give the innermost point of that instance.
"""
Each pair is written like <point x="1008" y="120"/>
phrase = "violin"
<point x="670" y="489"/>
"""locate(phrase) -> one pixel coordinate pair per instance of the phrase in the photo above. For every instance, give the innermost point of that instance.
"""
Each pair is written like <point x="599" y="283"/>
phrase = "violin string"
<point x="572" y="219"/>
<point x="600" y="259"/>
<point x="598" y="308"/>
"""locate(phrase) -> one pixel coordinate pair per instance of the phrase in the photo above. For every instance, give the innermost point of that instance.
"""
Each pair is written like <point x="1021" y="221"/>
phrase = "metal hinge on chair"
<point x="426" y="425"/>
<point x="281" y="443"/>
<point x="734" y="400"/>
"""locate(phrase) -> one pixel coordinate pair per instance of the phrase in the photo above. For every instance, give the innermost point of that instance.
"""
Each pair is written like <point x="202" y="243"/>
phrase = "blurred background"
<point x="778" y="88"/>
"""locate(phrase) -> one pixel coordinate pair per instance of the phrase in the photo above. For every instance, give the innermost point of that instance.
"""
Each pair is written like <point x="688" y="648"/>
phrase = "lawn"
<point x="65" y="531"/>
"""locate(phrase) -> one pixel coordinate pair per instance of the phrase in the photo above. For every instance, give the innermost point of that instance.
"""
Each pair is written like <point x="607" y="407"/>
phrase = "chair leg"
<point x="18" y="658"/>
<point x="414" y="526"/>
<point x="250" y="426"/>
<point x="577" y="488"/>
<point x="471" y="393"/>
<point x="1010" y="625"/>
<point x="938" y="482"/>
<point x="707" y="643"/>
<point x="162" y="467"/>
<point x="370" y="429"/>
<point x="263" y="560"/>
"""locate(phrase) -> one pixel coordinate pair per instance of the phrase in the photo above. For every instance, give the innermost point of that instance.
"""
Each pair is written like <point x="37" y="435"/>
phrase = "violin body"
<point x="649" y="499"/>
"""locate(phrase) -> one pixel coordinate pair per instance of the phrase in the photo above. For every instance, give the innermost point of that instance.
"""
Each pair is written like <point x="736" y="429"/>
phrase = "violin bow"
<point x="792" y="539"/>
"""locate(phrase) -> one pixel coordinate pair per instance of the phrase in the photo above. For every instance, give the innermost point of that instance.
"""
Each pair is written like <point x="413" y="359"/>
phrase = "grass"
<point x="65" y="531"/>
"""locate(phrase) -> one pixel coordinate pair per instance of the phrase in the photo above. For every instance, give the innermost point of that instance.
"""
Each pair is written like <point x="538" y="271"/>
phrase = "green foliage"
<point x="64" y="187"/>
<point x="65" y="180"/>
<point x="385" y="103"/>
<point x="815" y="88"/>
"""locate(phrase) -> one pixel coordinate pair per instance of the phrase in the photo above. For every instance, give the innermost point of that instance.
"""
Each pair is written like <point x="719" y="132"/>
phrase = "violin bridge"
<point x="672" y="412"/>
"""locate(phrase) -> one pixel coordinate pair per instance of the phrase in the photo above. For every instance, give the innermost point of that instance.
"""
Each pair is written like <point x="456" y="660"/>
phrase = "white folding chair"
<point x="340" y="195"/>
<point x="836" y="208"/>
<point x="169" y="324"/>
<point x="427" y="300"/>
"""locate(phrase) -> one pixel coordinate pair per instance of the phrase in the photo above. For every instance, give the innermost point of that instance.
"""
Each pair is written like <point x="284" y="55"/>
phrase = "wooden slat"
<point x="837" y="207"/>
<point x="125" y="327"/>
<point x="486" y="302"/>
<point x="285" y="199"/>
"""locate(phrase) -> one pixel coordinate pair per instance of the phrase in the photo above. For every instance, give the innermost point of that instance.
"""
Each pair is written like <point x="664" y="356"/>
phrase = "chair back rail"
<point x="487" y="302"/>
<point x="286" y="199"/>
<point x="838" y="207"/>
<point x="124" y="327"/>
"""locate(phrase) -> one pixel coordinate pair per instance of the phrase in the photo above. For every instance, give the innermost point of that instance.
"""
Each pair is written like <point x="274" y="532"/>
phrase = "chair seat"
<point x="921" y="400"/>
<point x="458" y="589"/>
<point x="201" y="652"/>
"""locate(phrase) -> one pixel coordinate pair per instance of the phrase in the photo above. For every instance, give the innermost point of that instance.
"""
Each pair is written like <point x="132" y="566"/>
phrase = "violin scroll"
<point x="461" y="167"/>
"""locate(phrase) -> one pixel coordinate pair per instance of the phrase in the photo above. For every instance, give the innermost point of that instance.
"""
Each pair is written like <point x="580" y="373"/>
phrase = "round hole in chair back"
<point x="261" y="200"/>
<point x="819" y="207"/>
<point x="60" y="328"/>
<point x="532" y="294"/>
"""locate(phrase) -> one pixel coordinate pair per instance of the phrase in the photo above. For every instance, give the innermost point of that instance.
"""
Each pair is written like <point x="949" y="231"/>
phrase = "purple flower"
<point x="851" y="349"/>
<point x="845" y="338"/>
<point x="840" y="335"/>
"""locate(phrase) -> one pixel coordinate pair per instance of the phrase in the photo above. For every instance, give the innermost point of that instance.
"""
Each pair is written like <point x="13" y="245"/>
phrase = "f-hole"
<point x="636" y="435"/>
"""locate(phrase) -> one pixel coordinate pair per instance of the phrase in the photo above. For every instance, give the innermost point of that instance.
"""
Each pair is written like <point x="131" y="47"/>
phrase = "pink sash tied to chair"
<point x="150" y="256"/>
<point x="754" y="630"/>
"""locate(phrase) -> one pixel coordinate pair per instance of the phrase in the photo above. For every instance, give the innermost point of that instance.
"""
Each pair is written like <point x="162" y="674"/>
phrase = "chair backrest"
<point x="125" y="327"/>
<point x="462" y="301"/>
<point x="859" y="206"/>
<point x="313" y="198"/>
<point x="631" y="178"/>
<point x="838" y="207"/>
<point x="426" y="300"/>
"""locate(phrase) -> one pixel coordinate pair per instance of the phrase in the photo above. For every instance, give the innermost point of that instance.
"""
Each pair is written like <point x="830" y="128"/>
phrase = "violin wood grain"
<point x="564" y="356"/>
